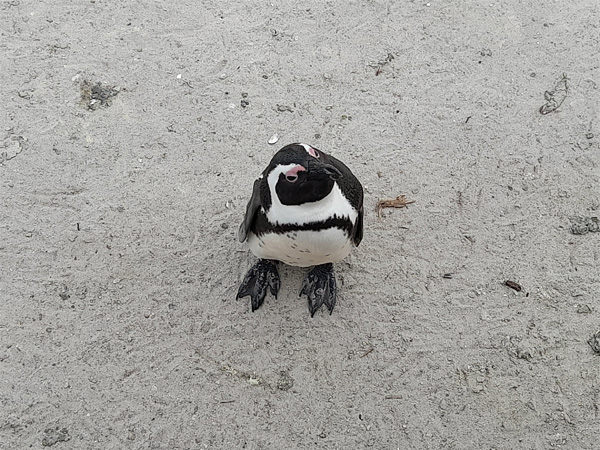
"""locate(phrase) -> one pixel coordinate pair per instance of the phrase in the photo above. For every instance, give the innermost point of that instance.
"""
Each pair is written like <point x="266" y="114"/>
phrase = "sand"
<point x="130" y="135"/>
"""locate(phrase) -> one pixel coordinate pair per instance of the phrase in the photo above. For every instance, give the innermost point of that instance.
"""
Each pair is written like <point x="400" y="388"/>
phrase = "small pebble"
<point x="273" y="139"/>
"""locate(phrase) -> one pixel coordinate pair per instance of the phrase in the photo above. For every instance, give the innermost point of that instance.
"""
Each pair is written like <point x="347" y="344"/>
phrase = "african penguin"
<point x="306" y="210"/>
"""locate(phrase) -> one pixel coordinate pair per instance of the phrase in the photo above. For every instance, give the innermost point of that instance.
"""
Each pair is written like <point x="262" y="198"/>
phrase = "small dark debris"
<point x="26" y="94"/>
<point x="244" y="103"/>
<point x="485" y="52"/>
<point x="381" y="64"/>
<point x="14" y="147"/>
<point x="55" y="48"/>
<point x="513" y="285"/>
<point x="524" y="353"/>
<point x="583" y="309"/>
<point x="285" y="382"/>
<point x="555" y="97"/>
<point x="53" y="436"/>
<point x="468" y="118"/>
<point x="64" y="293"/>
<point x="366" y="352"/>
<point x="447" y="276"/>
<point x="584" y="225"/>
<point x="96" y="95"/>
<point x="594" y="342"/>
<point x="284" y="108"/>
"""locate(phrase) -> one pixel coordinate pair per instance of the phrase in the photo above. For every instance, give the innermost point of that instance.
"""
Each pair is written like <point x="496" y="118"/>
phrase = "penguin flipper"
<point x="251" y="209"/>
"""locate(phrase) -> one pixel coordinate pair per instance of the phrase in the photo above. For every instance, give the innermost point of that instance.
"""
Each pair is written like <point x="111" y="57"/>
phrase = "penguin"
<point x="306" y="210"/>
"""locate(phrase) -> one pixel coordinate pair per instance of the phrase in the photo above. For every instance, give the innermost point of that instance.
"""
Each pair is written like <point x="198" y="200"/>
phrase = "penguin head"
<point x="299" y="173"/>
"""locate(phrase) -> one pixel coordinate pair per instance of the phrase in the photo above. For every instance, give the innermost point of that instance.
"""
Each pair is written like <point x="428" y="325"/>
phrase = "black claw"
<point x="262" y="275"/>
<point x="320" y="288"/>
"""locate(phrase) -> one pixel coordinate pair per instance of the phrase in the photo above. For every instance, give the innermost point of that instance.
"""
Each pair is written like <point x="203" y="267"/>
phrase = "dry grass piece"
<point x="398" y="202"/>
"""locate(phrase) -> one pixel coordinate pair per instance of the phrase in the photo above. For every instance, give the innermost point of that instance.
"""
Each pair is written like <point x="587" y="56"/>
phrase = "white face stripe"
<point x="274" y="177"/>
<point x="334" y="203"/>
<point x="306" y="147"/>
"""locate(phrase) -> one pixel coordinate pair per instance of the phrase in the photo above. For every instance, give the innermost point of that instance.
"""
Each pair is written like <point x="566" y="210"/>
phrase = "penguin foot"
<point x="320" y="288"/>
<point x="262" y="275"/>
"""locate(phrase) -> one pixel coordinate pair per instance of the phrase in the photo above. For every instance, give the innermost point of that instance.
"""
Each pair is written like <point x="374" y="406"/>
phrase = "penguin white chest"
<point x="302" y="248"/>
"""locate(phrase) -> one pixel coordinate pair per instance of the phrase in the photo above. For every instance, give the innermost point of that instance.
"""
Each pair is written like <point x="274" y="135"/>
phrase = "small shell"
<point x="273" y="139"/>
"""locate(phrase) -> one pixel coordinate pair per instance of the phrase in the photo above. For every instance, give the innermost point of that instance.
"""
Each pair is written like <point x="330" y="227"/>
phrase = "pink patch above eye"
<point x="294" y="171"/>
<point x="313" y="152"/>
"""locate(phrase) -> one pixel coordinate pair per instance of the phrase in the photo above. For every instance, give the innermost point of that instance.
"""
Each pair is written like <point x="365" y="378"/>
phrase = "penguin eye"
<point x="314" y="152"/>
<point x="291" y="178"/>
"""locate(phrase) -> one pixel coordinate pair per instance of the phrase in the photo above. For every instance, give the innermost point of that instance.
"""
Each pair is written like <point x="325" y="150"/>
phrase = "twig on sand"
<point x="398" y="202"/>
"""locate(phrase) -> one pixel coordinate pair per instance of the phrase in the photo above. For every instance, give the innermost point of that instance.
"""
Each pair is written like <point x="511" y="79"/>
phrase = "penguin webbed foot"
<point x="262" y="275"/>
<point x="320" y="288"/>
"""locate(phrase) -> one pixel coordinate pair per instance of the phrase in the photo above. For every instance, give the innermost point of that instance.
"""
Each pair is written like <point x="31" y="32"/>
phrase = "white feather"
<point x="302" y="248"/>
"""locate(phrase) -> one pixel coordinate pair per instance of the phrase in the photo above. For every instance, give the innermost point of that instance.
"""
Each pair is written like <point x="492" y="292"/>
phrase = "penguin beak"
<point x="320" y="171"/>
